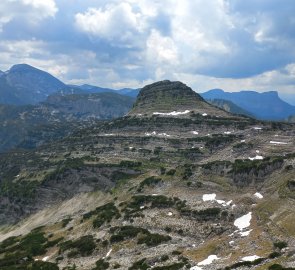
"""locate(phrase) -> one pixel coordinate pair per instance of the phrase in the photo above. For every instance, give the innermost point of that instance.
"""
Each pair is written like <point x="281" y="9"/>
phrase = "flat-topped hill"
<point x="171" y="98"/>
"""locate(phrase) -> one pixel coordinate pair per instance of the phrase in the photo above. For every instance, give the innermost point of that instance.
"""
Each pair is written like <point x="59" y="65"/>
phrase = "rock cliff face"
<point x="166" y="96"/>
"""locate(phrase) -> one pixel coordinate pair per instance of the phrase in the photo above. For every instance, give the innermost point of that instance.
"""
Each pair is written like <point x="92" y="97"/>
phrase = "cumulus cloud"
<point x="230" y="44"/>
<point x="118" y="23"/>
<point x="28" y="10"/>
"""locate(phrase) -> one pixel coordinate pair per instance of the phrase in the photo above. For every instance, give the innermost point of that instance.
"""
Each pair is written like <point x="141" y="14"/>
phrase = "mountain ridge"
<point x="30" y="125"/>
<point x="23" y="84"/>
<point x="265" y="106"/>
<point x="171" y="97"/>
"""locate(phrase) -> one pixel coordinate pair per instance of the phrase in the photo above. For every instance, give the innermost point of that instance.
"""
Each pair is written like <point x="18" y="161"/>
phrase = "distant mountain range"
<point x="30" y="125"/>
<point x="265" y="106"/>
<point x="229" y="107"/>
<point x="96" y="89"/>
<point x="23" y="84"/>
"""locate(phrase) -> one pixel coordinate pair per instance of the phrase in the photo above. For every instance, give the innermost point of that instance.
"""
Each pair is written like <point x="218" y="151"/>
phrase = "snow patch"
<point x="155" y="133"/>
<point x="170" y="214"/>
<point x="275" y="142"/>
<point x="172" y="113"/>
<point x="212" y="197"/>
<point x="243" y="140"/>
<point x="224" y="203"/>
<point x="209" y="260"/>
<point x="164" y="134"/>
<point x="246" y="233"/>
<point x="204" y="114"/>
<point x="227" y="132"/>
<point x="45" y="259"/>
<point x="256" y="158"/>
<point x="244" y="221"/>
<point x="195" y="132"/>
<point x="209" y="197"/>
<point x="258" y="195"/>
<point x="151" y="134"/>
<point x="257" y="128"/>
<point x="250" y="258"/>
<point x="109" y="253"/>
<point x="229" y="202"/>
<point x="221" y="202"/>
<point x="196" y="268"/>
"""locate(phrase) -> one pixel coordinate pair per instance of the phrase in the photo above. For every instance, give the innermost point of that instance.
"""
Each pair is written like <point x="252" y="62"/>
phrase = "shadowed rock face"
<point x="166" y="96"/>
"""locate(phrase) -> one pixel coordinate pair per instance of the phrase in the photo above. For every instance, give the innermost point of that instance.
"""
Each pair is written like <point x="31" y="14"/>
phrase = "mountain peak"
<point x="169" y="96"/>
<point x="22" y="67"/>
<point x="24" y="84"/>
<point x="165" y="96"/>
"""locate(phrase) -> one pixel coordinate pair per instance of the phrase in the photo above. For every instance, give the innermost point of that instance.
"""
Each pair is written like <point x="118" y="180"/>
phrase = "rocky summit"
<point x="166" y="97"/>
<point x="176" y="184"/>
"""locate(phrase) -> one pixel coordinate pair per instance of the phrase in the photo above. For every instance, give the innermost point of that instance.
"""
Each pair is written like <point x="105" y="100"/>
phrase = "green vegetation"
<point x="22" y="190"/>
<point x="82" y="246"/>
<point x="280" y="244"/>
<point x="245" y="263"/>
<point x="243" y="146"/>
<point x="190" y="153"/>
<point x="39" y="265"/>
<point x="150" y="181"/>
<point x="218" y="141"/>
<point x="18" y="252"/>
<point x="175" y="266"/>
<point x="101" y="264"/>
<point x="152" y="240"/>
<point x="171" y="172"/>
<point x="255" y="166"/>
<point x="203" y="215"/>
<point x="33" y="243"/>
<point x="279" y="267"/>
<point x="215" y="164"/>
<point x="103" y="214"/>
<point x="139" y="265"/>
<point x="133" y="207"/>
<point x="130" y="163"/>
<point x="144" y="236"/>
<point x="65" y="222"/>
<point x="125" y="232"/>
<point x="188" y="171"/>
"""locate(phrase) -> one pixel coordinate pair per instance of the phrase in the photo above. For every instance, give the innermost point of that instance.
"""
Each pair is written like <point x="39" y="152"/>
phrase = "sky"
<point x="228" y="44"/>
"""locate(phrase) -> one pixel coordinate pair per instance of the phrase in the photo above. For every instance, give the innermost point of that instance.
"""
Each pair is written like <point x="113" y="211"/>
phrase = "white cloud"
<point x="29" y="10"/>
<point x="115" y="22"/>
<point x="276" y="80"/>
<point x="161" y="49"/>
<point x="206" y="44"/>
<point x="45" y="9"/>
